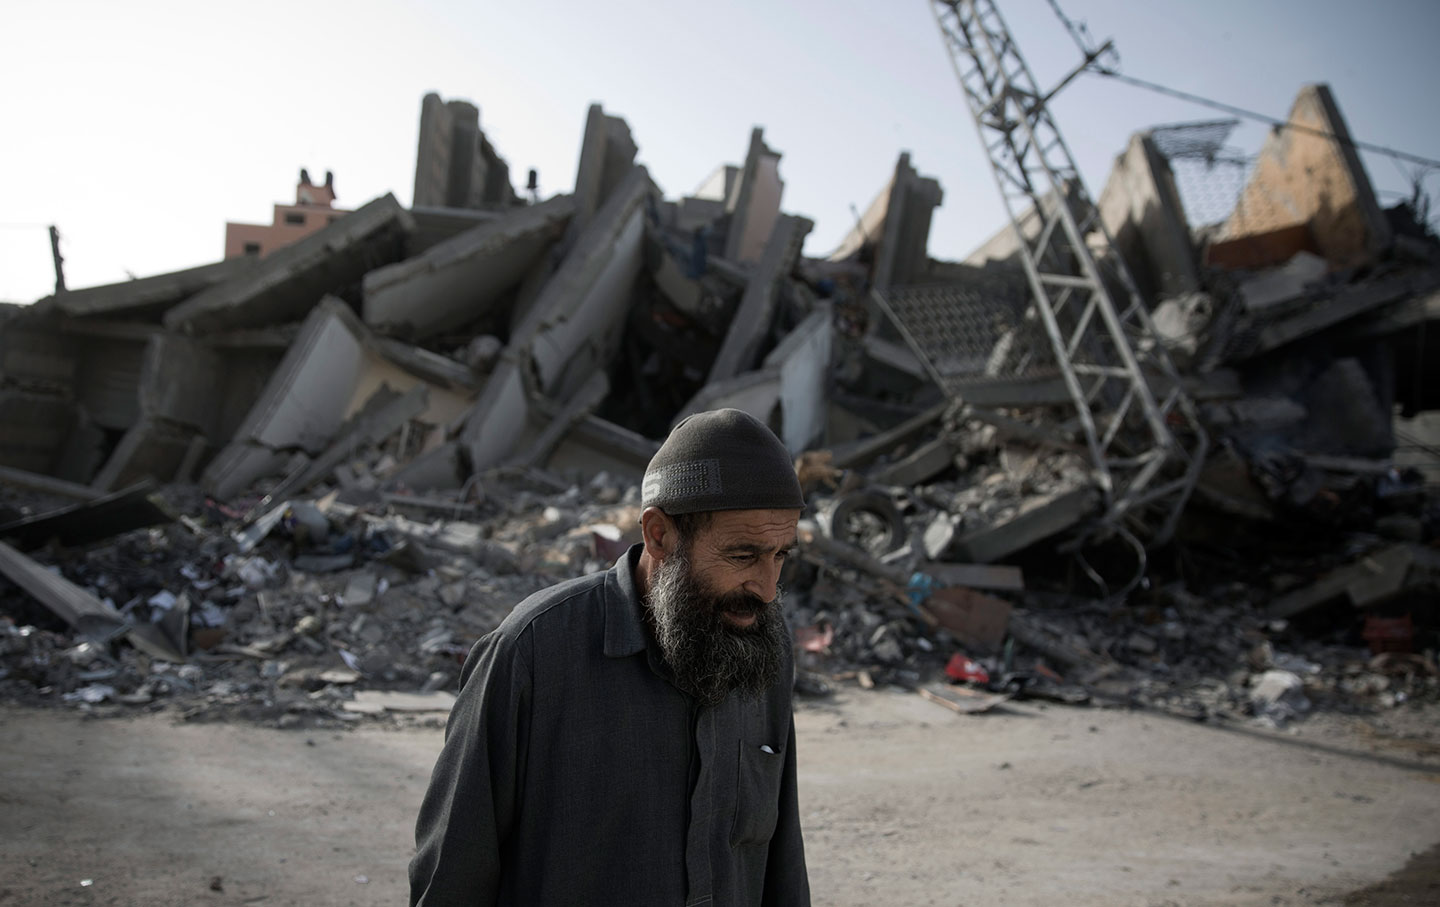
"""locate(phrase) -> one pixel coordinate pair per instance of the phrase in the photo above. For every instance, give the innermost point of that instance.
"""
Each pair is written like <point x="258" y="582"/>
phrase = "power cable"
<point x="1080" y="34"/>
<point x="1263" y="118"/>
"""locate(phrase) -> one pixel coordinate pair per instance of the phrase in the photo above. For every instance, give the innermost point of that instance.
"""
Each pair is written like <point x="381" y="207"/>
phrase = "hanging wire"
<point x="1080" y="35"/>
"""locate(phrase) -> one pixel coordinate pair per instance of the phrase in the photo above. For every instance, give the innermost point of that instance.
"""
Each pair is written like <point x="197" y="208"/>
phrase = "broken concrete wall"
<point x="107" y="380"/>
<point x="573" y="327"/>
<point x="1141" y="210"/>
<point x="901" y="257"/>
<point x="755" y="315"/>
<point x="180" y="381"/>
<point x="330" y="371"/>
<point x="36" y="426"/>
<point x="754" y="202"/>
<point x="895" y="229"/>
<point x="460" y="279"/>
<point x="1304" y="176"/>
<point x="290" y="281"/>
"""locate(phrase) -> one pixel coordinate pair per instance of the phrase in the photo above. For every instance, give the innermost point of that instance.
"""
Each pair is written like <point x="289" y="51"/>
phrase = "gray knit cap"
<point x="721" y="460"/>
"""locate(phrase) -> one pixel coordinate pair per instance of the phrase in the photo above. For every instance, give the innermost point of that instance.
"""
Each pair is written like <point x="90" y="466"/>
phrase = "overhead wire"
<point x="1078" y="32"/>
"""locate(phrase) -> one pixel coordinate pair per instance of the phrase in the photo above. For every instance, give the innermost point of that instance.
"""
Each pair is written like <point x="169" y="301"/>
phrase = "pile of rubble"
<point x="296" y="487"/>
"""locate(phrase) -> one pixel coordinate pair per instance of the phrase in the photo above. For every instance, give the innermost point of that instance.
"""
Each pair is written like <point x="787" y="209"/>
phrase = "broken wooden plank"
<point x="964" y="701"/>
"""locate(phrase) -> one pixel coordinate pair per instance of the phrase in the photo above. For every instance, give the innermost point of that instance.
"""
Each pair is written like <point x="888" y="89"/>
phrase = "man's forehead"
<point x="749" y="527"/>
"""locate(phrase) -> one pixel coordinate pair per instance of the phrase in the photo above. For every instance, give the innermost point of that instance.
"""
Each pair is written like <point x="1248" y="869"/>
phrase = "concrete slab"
<point x="924" y="463"/>
<point x="462" y="278"/>
<point x="803" y="361"/>
<point x="757" y="393"/>
<point x="595" y="445"/>
<point x="575" y="325"/>
<point x="756" y="312"/>
<point x="180" y="381"/>
<point x="291" y="280"/>
<point x="435" y="225"/>
<point x="607" y="156"/>
<point x="1302" y="177"/>
<point x="149" y="297"/>
<point x="1141" y="210"/>
<point x="1036" y="519"/>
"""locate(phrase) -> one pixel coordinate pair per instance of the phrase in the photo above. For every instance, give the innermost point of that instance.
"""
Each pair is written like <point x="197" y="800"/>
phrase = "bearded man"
<point x="626" y="737"/>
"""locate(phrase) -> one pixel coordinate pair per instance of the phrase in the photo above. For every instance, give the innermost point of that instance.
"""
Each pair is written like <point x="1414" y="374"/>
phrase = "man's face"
<point x="715" y="606"/>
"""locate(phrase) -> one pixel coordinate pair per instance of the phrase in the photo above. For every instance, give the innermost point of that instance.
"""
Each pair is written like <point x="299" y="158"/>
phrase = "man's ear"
<point x="658" y="533"/>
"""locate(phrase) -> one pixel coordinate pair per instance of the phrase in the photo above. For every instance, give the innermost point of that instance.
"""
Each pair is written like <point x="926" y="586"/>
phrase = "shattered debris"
<point x="297" y="485"/>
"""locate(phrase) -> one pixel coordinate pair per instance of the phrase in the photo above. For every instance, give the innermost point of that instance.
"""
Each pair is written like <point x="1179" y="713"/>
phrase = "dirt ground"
<point x="902" y="802"/>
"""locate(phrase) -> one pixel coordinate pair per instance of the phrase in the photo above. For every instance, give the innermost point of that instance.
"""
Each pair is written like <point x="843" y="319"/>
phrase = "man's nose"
<point x="763" y="580"/>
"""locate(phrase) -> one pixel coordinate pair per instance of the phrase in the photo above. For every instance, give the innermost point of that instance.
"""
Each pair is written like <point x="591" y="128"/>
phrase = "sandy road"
<point x="903" y="803"/>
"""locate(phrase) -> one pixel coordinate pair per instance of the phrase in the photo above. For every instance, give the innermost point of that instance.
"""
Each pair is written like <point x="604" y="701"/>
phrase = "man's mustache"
<point x="742" y="603"/>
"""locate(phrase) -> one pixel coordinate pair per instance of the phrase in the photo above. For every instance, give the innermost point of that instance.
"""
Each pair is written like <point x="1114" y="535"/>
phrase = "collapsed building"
<point x="282" y="476"/>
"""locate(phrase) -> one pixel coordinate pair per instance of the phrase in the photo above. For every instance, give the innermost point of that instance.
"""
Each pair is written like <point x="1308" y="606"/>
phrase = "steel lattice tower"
<point x="1144" y="440"/>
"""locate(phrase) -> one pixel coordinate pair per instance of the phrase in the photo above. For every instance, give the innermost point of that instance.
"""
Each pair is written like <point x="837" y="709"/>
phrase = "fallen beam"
<point x="78" y="608"/>
<point x="89" y="521"/>
<point x="33" y="481"/>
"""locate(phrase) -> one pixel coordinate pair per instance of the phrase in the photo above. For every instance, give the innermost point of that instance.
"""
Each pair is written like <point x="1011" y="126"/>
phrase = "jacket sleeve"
<point x="470" y="807"/>
<point x="786" y="881"/>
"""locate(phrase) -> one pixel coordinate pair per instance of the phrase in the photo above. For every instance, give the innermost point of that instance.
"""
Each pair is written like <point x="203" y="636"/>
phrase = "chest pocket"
<point x="757" y="795"/>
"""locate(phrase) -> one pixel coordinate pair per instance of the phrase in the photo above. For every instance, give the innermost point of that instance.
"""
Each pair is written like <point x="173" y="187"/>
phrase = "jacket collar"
<point x="625" y="633"/>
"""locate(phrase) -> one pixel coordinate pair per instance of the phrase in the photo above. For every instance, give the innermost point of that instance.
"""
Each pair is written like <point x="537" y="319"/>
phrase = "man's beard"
<point x="711" y="657"/>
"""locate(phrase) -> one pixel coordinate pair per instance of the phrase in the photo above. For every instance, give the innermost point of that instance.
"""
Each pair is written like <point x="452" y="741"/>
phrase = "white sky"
<point x="140" y="128"/>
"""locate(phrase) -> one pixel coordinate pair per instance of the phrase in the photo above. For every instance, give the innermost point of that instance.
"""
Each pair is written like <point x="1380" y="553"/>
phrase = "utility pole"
<point x="59" y="261"/>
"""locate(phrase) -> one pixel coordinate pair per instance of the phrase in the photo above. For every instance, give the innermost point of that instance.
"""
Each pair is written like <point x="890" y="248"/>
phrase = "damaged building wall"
<point x="1306" y="178"/>
<point x="331" y="370"/>
<point x="1142" y="212"/>
<point x="894" y="231"/>
<point x="573" y="327"/>
<point x="607" y="155"/>
<point x="754" y="201"/>
<point x="455" y="165"/>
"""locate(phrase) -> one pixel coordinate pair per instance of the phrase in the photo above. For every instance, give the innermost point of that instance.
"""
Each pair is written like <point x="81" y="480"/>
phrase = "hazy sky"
<point x="140" y="128"/>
